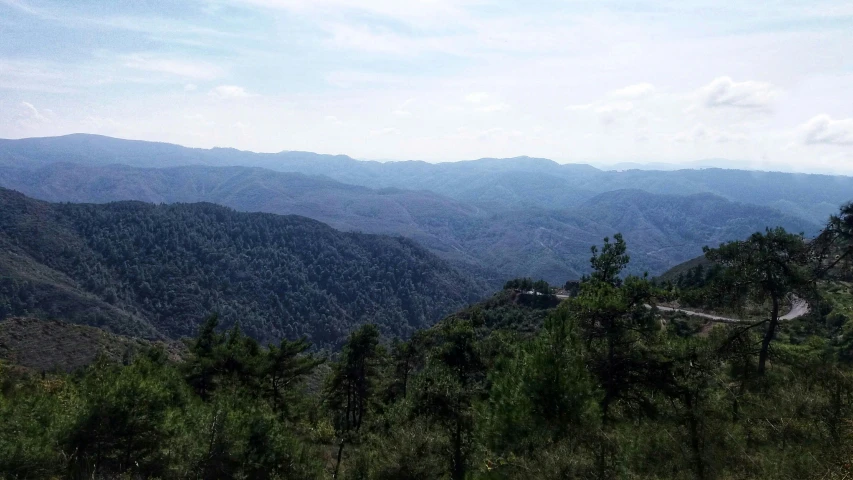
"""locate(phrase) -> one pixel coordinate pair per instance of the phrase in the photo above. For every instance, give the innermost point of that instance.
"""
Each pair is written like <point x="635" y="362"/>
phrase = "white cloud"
<point x="25" y="117"/>
<point x="634" y="91"/>
<point x="198" y="119"/>
<point x="403" y="110"/>
<point x="23" y="75"/>
<point x="613" y="108"/>
<point x="171" y="66"/>
<point x="494" y="107"/>
<point x="353" y="79"/>
<point x="489" y="134"/>
<point x="190" y="87"/>
<point x="31" y="113"/>
<point x="702" y="134"/>
<point x="725" y="92"/>
<point x="229" y="92"/>
<point x="552" y="64"/>
<point x="477" y="97"/>
<point x="610" y="112"/>
<point x="104" y="125"/>
<point x="27" y="8"/>
<point x="430" y="11"/>
<point x="824" y="130"/>
<point x="384" y="41"/>
<point x="480" y="98"/>
<point x="580" y="107"/>
<point x="385" y="131"/>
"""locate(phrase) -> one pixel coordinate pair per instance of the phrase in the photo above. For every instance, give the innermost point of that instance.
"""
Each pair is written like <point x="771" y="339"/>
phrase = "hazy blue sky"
<point x="768" y="83"/>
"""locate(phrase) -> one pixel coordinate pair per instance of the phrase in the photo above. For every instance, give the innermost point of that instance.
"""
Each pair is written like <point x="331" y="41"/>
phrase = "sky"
<point x="765" y="85"/>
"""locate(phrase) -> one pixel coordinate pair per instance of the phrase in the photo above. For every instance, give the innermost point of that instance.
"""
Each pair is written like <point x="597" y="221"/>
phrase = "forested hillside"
<point x="486" y="243"/>
<point x="56" y="346"/>
<point x="432" y="220"/>
<point x="601" y="385"/>
<point x="153" y="271"/>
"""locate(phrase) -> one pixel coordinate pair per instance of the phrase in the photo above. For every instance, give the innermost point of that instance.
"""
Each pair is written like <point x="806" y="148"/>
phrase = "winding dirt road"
<point x="799" y="307"/>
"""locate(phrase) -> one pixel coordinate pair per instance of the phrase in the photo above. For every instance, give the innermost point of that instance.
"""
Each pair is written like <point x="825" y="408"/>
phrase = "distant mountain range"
<point x="497" y="184"/>
<point x="721" y="163"/>
<point x="484" y="241"/>
<point x="156" y="271"/>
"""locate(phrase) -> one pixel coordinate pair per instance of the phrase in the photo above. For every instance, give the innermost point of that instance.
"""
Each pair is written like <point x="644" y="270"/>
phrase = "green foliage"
<point x="124" y="420"/>
<point x="451" y="383"/>
<point x="495" y="219"/>
<point x="599" y="387"/>
<point x="833" y="248"/>
<point x="609" y="263"/>
<point x="36" y="416"/>
<point x="538" y="287"/>
<point x="352" y="386"/>
<point x="541" y="393"/>
<point x="605" y="390"/>
<point x="767" y="267"/>
<point x="156" y="270"/>
<point x="143" y="419"/>
<point x="511" y="310"/>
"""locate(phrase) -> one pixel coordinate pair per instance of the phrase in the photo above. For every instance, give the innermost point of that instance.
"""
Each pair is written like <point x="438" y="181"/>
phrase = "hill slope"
<point x="59" y="346"/>
<point x="426" y="217"/>
<point x="155" y="271"/>
<point x="662" y="230"/>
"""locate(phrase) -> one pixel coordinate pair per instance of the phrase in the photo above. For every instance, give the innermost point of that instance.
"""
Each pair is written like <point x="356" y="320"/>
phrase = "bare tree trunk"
<point x="609" y="388"/>
<point x="695" y="441"/>
<point x="768" y="337"/>
<point x="458" y="471"/>
<point x="340" y="454"/>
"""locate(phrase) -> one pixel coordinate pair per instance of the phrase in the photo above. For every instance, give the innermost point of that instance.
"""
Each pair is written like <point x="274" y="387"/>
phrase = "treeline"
<point x="231" y="410"/>
<point x="785" y="263"/>
<point x="167" y="266"/>
<point x="527" y="284"/>
<point x="602" y="389"/>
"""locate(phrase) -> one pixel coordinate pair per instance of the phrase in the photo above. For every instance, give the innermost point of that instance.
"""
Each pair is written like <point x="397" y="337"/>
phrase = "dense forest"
<point x="601" y="385"/>
<point x="533" y="238"/>
<point x="156" y="270"/>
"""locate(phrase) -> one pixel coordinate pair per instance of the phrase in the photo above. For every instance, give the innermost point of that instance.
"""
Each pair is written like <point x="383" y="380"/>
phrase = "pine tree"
<point x="352" y="384"/>
<point x="768" y="266"/>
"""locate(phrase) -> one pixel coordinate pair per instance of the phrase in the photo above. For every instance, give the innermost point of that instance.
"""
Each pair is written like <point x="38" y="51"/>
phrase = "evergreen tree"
<point x="610" y="261"/>
<point x="204" y="362"/>
<point x="768" y="267"/>
<point x="449" y="386"/>
<point x="542" y="393"/>
<point x="834" y="246"/>
<point x="285" y="367"/>
<point x="616" y="324"/>
<point x="352" y="385"/>
<point x="125" y="419"/>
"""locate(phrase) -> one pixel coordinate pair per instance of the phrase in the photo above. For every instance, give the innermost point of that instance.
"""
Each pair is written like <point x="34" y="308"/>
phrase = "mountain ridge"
<point x="495" y="245"/>
<point x="520" y="182"/>
<point x="155" y="271"/>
